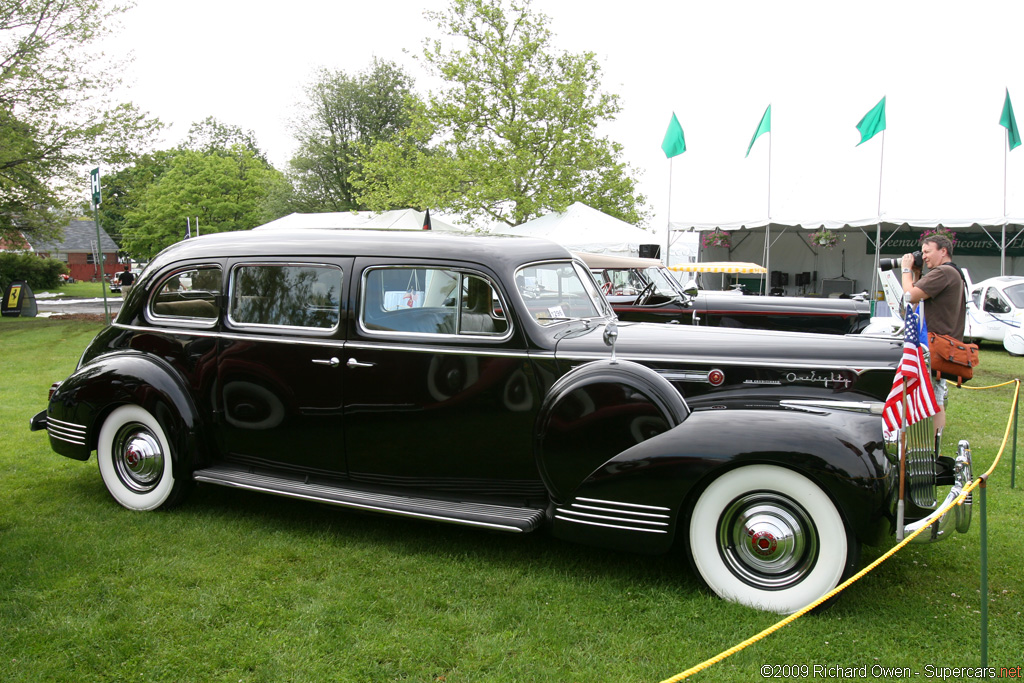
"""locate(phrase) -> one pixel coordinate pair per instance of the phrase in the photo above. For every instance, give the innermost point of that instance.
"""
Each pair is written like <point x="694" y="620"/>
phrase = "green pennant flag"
<point x="1008" y="122"/>
<point x="674" y="143"/>
<point x="764" y="127"/>
<point x="873" y="123"/>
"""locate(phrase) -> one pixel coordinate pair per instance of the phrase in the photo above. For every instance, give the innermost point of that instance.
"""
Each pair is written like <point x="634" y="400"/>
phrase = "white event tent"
<point x="583" y="228"/>
<point x="985" y="248"/>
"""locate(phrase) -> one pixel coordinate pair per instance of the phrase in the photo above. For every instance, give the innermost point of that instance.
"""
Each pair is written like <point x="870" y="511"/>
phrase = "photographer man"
<point x="942" y="290"/>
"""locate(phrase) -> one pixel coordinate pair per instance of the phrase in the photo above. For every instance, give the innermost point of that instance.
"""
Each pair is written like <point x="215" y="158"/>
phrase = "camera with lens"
<point x="890" y="263"/>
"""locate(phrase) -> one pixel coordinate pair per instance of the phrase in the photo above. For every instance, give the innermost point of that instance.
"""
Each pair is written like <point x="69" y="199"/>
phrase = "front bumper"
<point x="38" y="421"/>
<point x="959" y="516"/>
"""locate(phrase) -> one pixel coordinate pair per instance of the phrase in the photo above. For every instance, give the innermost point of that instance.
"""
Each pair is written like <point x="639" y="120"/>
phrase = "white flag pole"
<point x="878" y="229"/>
<point x="668" y="219"/>
<point x="1002" y="245"/>
<point x="768" y="227"/>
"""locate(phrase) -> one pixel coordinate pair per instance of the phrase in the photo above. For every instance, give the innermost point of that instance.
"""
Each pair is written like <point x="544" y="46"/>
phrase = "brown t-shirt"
<point x="945" y="310"/>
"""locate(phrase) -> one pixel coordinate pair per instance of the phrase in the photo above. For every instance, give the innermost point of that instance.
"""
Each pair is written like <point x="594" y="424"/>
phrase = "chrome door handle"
<point x="333" y="362"/>
<point x="353" y="363"/>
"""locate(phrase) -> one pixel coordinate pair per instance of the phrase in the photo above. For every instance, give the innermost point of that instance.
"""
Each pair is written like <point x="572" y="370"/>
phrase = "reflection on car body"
<point x="485" y="382"/>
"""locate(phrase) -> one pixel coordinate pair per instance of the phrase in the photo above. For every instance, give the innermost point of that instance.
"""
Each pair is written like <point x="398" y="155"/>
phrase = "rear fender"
<point x="82" y="402"/>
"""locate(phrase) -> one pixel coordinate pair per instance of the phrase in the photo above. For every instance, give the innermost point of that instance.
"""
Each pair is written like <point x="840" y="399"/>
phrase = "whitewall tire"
<point x="135" y="460"/>
<point x="769" y="538"/>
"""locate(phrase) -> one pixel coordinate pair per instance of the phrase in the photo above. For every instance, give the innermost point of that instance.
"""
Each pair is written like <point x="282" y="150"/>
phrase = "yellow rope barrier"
<point x="856" y="577"/>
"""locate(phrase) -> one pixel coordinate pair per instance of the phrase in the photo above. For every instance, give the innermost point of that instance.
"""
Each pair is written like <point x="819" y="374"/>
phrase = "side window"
<point x="191" y="294"/>
<point x="994" y="302"/>
<point x="292" y="295"/>
<point x="430" y="301"/>
<point x="976" y="297"/>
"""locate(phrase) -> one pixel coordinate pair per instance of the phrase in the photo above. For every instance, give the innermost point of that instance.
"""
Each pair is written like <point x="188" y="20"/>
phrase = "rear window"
<point x="189" y="295"/>
<point x="290" y="295"/>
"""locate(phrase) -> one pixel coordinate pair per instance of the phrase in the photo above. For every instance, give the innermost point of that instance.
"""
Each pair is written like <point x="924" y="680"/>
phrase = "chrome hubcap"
<point x="767" y="540"/>
<point x="138" y="459"/>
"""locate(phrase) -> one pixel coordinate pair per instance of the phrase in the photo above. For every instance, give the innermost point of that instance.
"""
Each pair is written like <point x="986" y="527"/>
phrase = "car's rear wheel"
<point x="768" y="537"/>
<point x="135" y="460"/>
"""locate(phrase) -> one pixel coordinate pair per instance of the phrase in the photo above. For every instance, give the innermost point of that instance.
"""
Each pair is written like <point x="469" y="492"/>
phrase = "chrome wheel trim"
<point x="767" y="540"/>
<point x="137" y="457"/>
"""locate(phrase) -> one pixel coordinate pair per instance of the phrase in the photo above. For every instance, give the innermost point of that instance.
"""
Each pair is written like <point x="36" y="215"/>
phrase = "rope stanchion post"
<point x="984" y="570"/>
<point x="1013" y="456"/>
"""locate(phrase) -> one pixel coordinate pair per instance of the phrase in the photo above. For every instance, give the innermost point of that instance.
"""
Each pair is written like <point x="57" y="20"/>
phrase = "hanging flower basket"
<point x="939" y="232"/>
<point x="717" y="238"/>
<point x="824" y="238"/>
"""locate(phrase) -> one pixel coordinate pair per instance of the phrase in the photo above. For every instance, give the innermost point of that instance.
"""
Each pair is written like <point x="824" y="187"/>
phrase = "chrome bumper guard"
<point x="38" y="421"/>
<point x="959" y="516"/>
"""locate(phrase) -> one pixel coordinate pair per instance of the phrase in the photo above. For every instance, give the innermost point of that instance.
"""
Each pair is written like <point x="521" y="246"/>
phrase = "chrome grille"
<point x="921" y="471"/>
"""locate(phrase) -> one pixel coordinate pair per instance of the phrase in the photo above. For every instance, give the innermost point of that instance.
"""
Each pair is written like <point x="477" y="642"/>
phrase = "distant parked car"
<point x="485" y="382"/>
<point x="995" y="312"/>
<point x="115" y="281"/>
<point x="643" y="290"/>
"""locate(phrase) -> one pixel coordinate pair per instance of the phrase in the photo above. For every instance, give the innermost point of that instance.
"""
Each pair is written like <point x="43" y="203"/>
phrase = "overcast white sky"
<point x="822" y="64"/>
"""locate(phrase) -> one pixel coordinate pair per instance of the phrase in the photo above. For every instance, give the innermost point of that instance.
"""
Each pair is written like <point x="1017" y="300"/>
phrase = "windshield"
<point x="664" y="284"/>
<point x="1015" y="294"/>
<point x="558" y="291"/>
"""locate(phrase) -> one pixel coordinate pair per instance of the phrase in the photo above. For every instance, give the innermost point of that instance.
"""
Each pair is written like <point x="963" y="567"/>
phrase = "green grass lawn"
<point x="79" y="290"/>
<point x="235" y="586"/>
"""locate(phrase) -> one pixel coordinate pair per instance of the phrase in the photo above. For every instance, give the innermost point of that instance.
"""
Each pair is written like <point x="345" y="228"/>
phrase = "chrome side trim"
<point x="717" y="361"/>
<point x="609" y="526"/>
<point x="616" y="515"/>
<point x="66" y="431"/>
<point x="631" y="505"/>
<point x="685" y="376"/>
<point x="869" y="407"/>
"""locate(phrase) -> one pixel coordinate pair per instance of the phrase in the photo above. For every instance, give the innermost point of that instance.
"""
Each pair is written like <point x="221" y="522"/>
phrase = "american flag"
<point x="920" y="394"/>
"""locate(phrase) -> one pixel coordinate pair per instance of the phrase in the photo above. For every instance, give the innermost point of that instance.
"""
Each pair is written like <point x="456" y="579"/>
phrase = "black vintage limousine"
<point x="643" y="290"/>
<point x="484" y="381"/>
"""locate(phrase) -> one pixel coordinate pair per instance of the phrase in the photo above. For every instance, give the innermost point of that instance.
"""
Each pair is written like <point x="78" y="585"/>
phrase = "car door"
<point x="996" y="315"/>
<point x="280" y="380"/>
<point x="440" y="394"/>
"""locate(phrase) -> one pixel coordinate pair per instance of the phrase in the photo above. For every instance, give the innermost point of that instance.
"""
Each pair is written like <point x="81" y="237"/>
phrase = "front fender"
<point x="81" y="403"/>
<point x="597" y="411"/>
<point x="842" y="451"/>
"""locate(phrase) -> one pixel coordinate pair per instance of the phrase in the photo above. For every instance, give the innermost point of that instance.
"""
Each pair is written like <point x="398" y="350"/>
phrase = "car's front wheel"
<point x="770" y="538"/>
<point x="135" y="460"/>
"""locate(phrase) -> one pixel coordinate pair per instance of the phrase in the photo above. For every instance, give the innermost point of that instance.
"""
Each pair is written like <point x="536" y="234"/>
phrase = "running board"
<point x="497" y="517"/>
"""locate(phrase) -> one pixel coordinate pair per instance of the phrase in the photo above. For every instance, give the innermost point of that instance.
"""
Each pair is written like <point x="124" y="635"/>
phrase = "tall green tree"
<point x="344" y="115"/>
<point x="56" y="115"/>
<point x="211" y="136"/>
<point x="224" y="192"/>
<point x="513" y="134"/>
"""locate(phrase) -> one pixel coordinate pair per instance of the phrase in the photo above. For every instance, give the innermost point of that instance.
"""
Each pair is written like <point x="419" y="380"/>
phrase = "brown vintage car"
<point x="643" y="290"/>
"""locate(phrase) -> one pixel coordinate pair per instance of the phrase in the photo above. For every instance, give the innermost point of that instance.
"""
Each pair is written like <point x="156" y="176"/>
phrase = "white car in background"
<point x="995" y="312"/>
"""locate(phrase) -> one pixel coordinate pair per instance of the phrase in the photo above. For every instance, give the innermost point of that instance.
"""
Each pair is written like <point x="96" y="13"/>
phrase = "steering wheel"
<point x="606" y="288"/>
<point x="645" y="294"/>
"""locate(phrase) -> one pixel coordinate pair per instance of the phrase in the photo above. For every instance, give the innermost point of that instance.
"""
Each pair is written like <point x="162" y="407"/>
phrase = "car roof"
<point x="493" y="250"/>
<point x="611" y="261"/>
